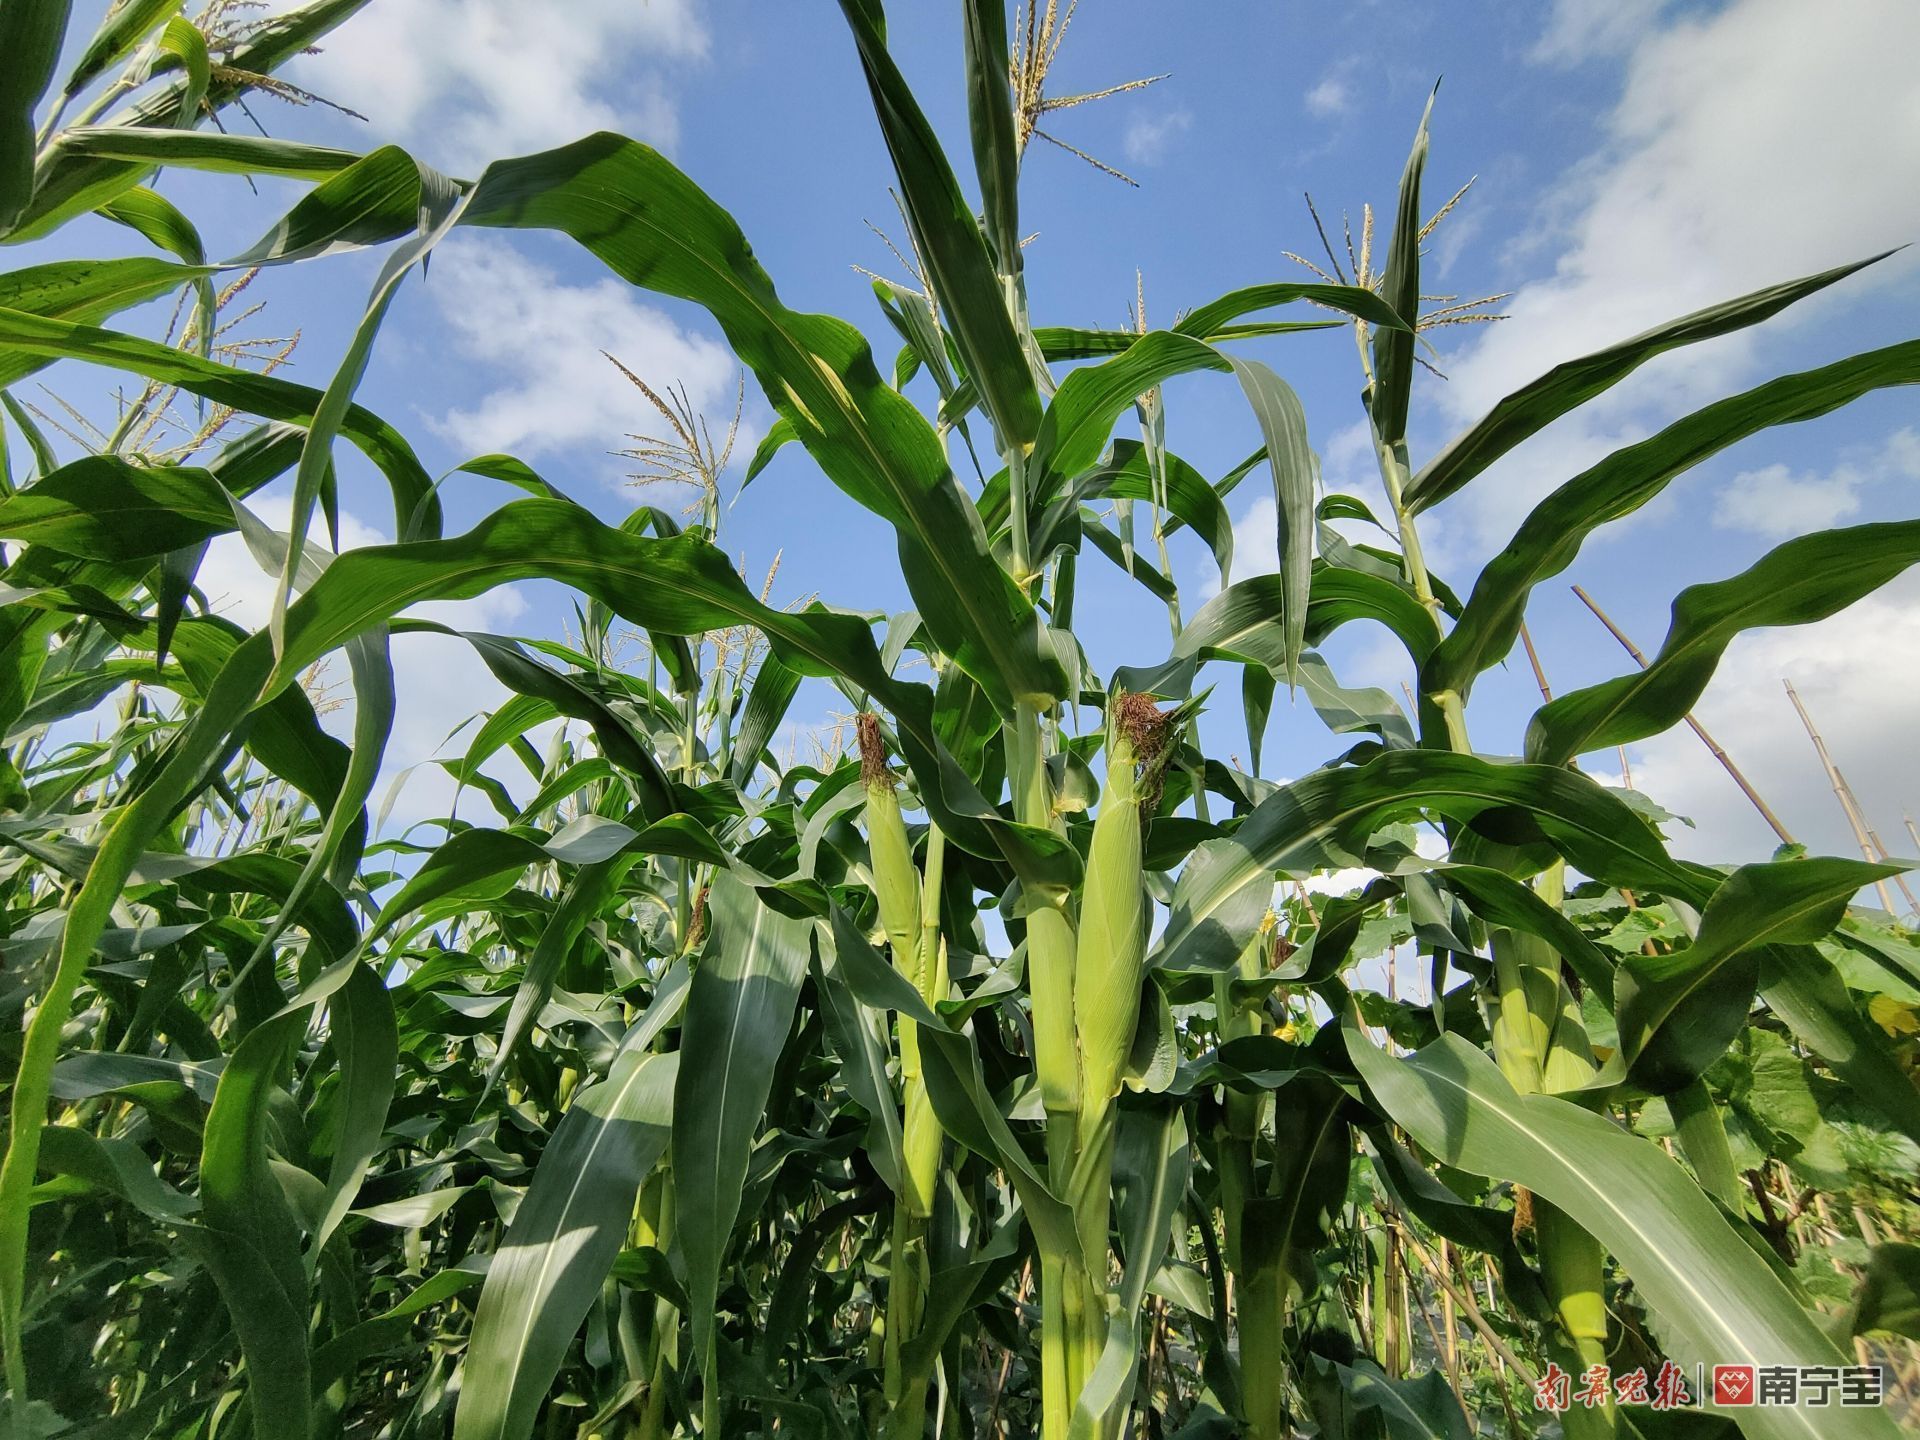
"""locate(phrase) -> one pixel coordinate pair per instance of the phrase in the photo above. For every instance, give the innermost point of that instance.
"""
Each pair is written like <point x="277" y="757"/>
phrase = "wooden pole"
<point x="1863" y="835"/>
<point x="1713" y="746"/>
<point x="1533" y="659"/>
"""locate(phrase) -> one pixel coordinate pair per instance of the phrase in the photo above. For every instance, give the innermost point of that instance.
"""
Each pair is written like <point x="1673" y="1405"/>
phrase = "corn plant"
<point x="1001" y="1076"/>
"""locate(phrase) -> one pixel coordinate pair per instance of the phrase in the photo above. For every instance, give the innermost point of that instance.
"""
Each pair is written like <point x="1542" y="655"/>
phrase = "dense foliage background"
<point x="1000" y="1073"/>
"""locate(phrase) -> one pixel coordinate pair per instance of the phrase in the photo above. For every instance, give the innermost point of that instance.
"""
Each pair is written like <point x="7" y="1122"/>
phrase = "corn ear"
<point x="1111" y="955"/>
<point x="896" y="883"/>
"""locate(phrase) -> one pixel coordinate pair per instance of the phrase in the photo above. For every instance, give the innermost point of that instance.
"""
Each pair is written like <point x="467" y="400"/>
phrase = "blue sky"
<point x="1635" y="160"/>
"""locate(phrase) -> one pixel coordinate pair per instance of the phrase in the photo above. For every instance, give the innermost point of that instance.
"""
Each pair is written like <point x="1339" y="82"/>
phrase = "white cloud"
<point x="1857" y="675"/>
<point x="1332" y="96"/>
<point x="474" y="80"/>
<point x="1750" y="145"/>
<point x="1579" y="30"/>
<point x="1148" y="138"/>
<point x="1776" y="501"/>
<point x="439" y="682"/>
<point x="543" y="339"/>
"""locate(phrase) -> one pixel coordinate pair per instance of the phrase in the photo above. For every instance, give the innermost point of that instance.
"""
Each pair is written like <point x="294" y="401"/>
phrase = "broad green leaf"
<point x="738" y="1013"/>
<point x="1802" y="987"/>
<point x="69" y="182"/>
<point x="653" y="227"/>
<point x="1567" y="386"/>
<point x="126" y="24"/>
<point x="561" y="1245"/>
<point x="251" y="393"/>
<point x="955" y="1083"/>
<point x="1889" y="1294"/>
<point x="1679" y="1011"/>
<point x="1551" y="535"/>
<point x="1393" y="348"/>
<point x="82" y="292"/>
<point x="1283" y="425"/>
<point x="336" y="1358"/>
<point x="106" y="508"/>
<point x="211" y="150"/>
<point x="774" y="686"/>
<point x="157" y="218"/>
<point x="1711" y="1299"/>
<point x="31" y="32"/>
<point x="1362" y="1400"/>
<point x="252" y="1241"/>
<point x="1326" y="819"/>
<point x="1207" y="322"/>
<point x="973" y="302"/>
<point x="1151" y="1167"/>
<point x="117" y="1167"/>
<point x="1797" y="583"/>
<point x="366" y="1046"/>
<point x="863" y="1050"/>
<point x="996" y="154"/>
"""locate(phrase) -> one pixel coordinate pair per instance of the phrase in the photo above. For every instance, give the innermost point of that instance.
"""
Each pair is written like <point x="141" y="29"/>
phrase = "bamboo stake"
<point x="1713" y="746"/>
<point x="1843" y="793"/>
<point x="1533" y="659"/>
<point x="1471" y="1309"/>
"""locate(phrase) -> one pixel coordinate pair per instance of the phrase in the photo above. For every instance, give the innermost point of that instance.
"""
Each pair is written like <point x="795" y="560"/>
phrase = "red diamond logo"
<point x="1733" y="1384"/>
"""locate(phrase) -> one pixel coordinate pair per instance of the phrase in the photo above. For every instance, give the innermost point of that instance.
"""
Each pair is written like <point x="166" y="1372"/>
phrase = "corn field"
<point x="1000" y="1074"/>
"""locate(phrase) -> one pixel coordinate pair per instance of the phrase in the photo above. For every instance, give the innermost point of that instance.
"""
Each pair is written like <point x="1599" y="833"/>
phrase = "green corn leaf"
<point x="1889" y="1296"/>
<point x="1566" y="387"/>
<point x="562" y="1243"/>
<point x="1361" y="1399"/>
<point x="266" y="395"/>
<point x="1711" y="1298"/>
<point x="1283" y="425"/>
<point x="106" y="508"/>
<point x="955" y="1084"/>
<point x="1551" y="535"/>
<point x="1393" y="348"/>
<point x="126" y="24"/>
<point x="1327" y="817"/>
<point x="1206" y="322"/>
<point x="82" y="292"/>
<point x="1679" y="1011"/>
<point x="115" y="1167"/>
<point x="335" y="1359"/>
<point x="1126" y="475"/>
<point x="435" y="201"/>
<point x="1499" y="899"/>
<point x="157" y="218"/>
<point x="366" y="1044"/>
<point x="972" y="300"/>
<point x="1803" y="988"/>
<point x="1152" y="1165"/>
<point x="586" y="897"/>
<point x="212" y="151"/>
<point x="780" y="433"/>
<point x="250" y="1240"/>
<point x="31" y="32"/>
<point x="664" y="233"/>
<point x="862" y="1047"/>
<point x="1797" y="583"/>
<point x="738" y="1013"/>
<point x="774" y="687"/>
<point x="69" y="182"/>
<point x="996" y="154"/>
